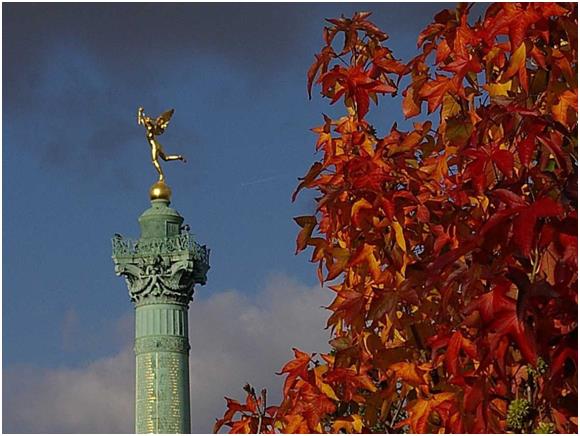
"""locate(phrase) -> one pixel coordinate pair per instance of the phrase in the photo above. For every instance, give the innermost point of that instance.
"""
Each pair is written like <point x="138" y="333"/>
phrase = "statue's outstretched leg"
<point x="171" y="156"/>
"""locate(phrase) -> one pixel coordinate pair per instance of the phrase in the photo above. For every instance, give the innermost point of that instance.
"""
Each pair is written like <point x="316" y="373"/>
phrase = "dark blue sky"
<point x="76" y="165"/>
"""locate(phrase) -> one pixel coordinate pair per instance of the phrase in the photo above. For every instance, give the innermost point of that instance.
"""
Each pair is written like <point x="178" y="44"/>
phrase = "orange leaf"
<point x="434" y="91"/>
<point x="307" y="223"/>
<point x="409" y="373"/>
<point x="517" y="62"/>
<point x="399" y="237"/>
<point x="421" y="409"/>
<point x="307" y="180"/>
<point x="340" y="260"/>
<point x="350" y="424"/>
<point x="366" y="253"/>
<point x="357" y="209"/>
<point x="411" y="104"/>
<point x="567" y="100"/>
<point x="295" y="424"/>
<point x="295" y="368"/>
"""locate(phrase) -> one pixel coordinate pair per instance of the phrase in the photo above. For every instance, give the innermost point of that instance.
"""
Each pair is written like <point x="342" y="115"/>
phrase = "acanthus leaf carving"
<point x="161" y="277"/>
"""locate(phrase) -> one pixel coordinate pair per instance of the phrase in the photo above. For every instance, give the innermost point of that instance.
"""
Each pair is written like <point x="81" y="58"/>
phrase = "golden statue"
<point x="155" y="127"/>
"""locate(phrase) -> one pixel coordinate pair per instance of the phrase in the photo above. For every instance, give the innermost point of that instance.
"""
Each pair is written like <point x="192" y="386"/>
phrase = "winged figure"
<point x="155" y="127"/>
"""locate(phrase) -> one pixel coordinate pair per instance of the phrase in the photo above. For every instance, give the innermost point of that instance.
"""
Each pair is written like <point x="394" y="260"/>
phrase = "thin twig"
<point x="263" y="411"/>
<point x="399" y="407"/>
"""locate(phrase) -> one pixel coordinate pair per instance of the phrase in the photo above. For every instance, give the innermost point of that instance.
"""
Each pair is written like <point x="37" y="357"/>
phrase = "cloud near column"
<point x="234" y="339"/>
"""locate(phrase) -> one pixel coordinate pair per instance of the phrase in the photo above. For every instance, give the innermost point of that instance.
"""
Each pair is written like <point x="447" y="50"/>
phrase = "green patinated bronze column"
<point x="161" y="269"/>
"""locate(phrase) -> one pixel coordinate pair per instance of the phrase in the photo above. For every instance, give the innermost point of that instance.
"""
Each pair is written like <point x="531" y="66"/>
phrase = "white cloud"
<point x="234" y="339"/>
<point x="94" y="399"/>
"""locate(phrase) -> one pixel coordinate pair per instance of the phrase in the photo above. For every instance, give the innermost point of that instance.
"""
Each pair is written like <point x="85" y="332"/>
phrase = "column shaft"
<point x="162" y="369"/>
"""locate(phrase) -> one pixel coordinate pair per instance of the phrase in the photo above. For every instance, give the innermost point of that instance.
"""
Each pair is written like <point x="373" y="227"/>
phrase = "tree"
<point x="451" y="247"/>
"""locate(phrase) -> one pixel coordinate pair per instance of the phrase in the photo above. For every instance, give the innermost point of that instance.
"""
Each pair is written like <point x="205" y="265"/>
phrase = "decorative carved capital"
<point x="161" y="270"/>
<point x="158" y="276"/>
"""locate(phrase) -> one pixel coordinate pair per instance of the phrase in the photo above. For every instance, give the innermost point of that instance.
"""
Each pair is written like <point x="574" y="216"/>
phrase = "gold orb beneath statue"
<point x="160" y="191"/>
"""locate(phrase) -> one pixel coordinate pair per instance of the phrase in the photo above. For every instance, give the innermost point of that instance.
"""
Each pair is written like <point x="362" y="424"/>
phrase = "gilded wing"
<point x="163" y="119"/>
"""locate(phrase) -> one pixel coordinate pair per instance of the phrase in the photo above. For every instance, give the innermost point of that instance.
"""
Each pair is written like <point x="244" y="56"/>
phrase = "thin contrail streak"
<point x="266" y="179"/>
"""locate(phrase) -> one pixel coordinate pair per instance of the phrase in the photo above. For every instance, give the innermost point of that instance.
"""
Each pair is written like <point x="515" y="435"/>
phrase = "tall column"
<point x="161" y="269"/>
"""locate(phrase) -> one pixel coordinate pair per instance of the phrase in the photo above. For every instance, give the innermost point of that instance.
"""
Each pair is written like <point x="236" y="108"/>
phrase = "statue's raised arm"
<point x="154" y="128"/>
<point x="140" y="116"/>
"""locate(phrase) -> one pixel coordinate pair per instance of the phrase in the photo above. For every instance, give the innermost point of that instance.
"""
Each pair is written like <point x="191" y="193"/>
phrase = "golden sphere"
<point x="160" y="191"/>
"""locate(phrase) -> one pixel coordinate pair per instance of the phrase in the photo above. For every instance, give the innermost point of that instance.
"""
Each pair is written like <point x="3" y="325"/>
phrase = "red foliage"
<point x="452" y="248"/>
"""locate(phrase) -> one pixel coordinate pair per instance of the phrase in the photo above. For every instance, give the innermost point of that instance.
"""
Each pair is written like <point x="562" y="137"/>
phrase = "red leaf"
<point x="510" y="198"/>
<point x="429" y="32"/>
<point x="525" y="222"/>
<point x="523" y="227"/>
<point x="320" y="64"/>
<point x="493" y="302"/>
<point x="508" y="323"/>
<point x="504" y="161"/>
<point x="500" y="313"/>
<point x="546" y="207"/>
<point x="443" y="51"/>
<point x="423" y="214"/>
<point x="526" y="149"/>
<point x="457" y="343"/>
